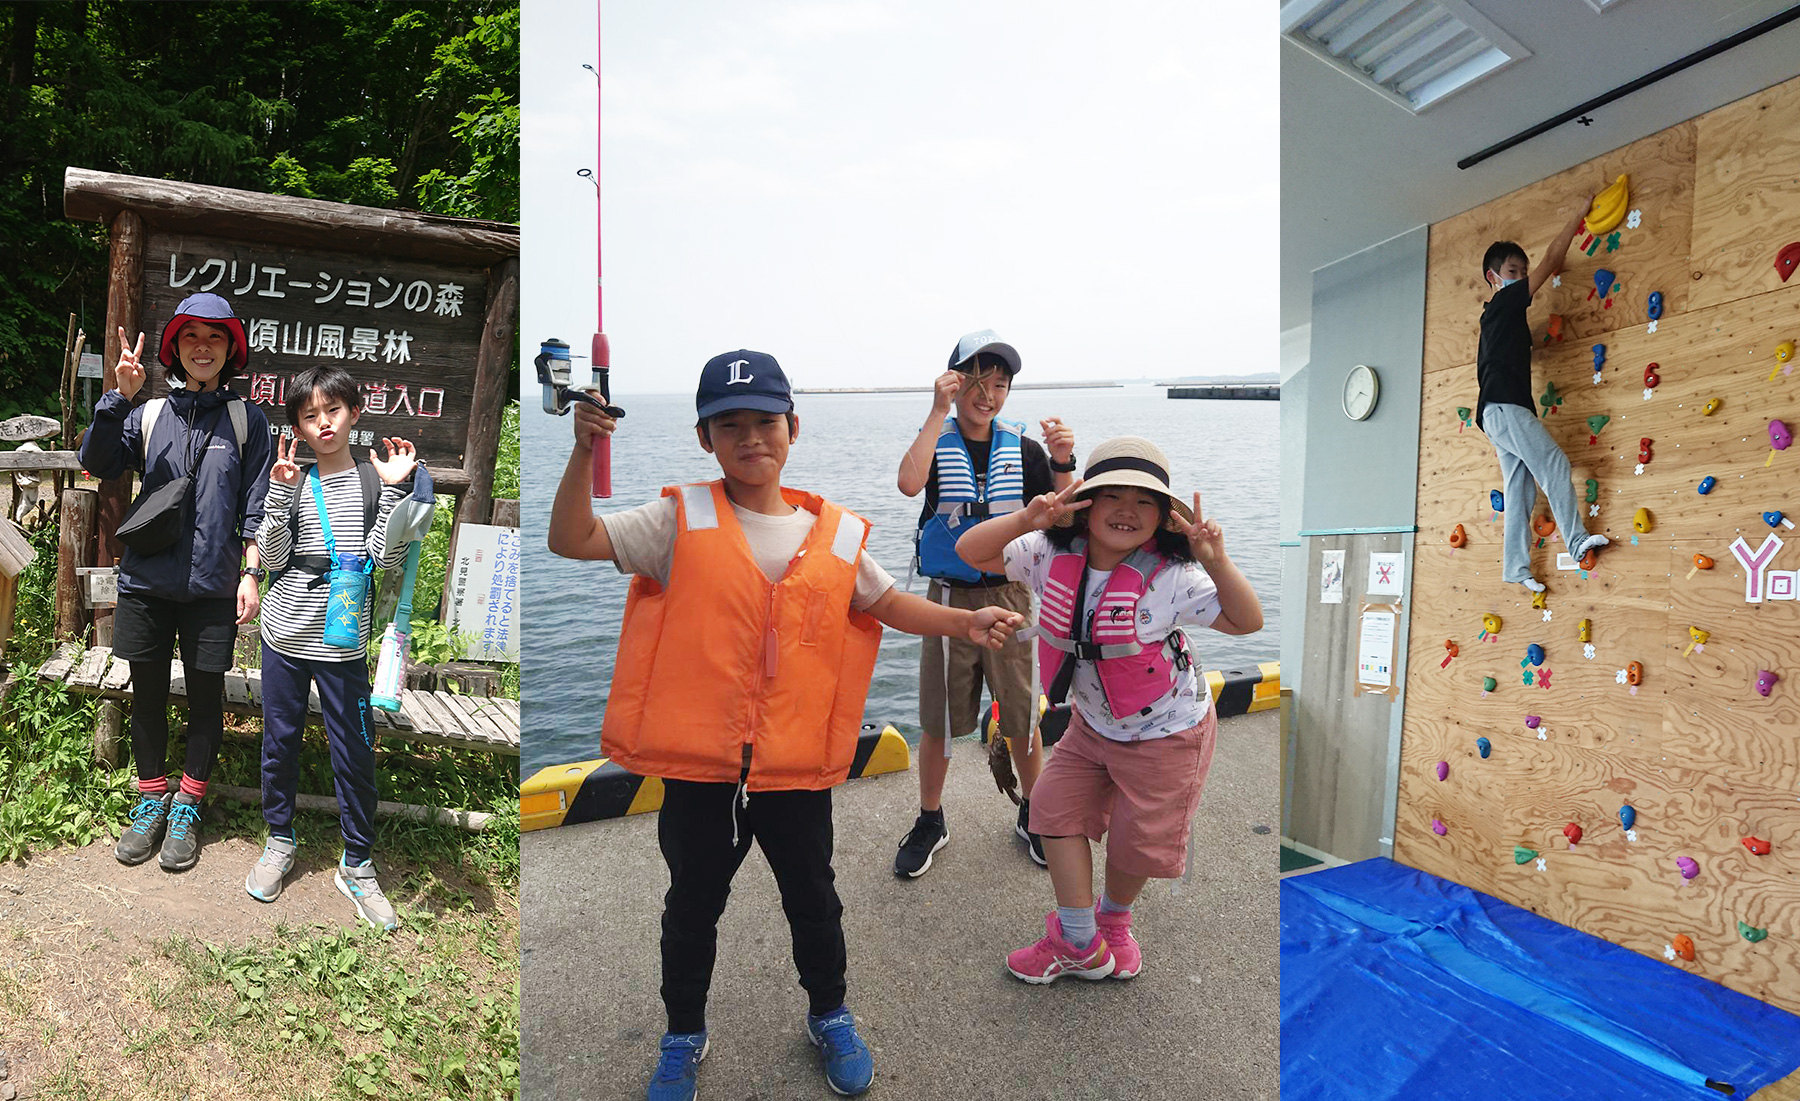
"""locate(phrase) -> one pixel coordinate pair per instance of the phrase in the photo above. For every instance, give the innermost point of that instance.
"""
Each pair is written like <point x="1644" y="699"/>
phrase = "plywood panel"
<point x="1697" y="751"/>
<point x="1653" y="256"/>
<point x="1746" y="194"/>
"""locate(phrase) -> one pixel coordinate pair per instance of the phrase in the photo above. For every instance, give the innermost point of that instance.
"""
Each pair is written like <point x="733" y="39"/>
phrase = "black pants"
<point x="794" y="830"/>
<point x="146" y="632"/>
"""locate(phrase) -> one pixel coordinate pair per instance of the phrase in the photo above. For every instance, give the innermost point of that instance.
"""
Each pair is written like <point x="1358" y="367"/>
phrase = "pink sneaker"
<point x="1053" y="957"/>
<point x="1116" y="928"/>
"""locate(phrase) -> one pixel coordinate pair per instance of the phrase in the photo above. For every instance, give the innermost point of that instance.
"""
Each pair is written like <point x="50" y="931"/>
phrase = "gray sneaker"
<point x="148" y="820"/>
<point x="181" y="848"/>
<point x="276" y="861"/>
<point x="359" y="886"/>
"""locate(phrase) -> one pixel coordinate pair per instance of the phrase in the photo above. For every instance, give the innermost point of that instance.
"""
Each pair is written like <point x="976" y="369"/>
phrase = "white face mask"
<point x="1507" y="282"/>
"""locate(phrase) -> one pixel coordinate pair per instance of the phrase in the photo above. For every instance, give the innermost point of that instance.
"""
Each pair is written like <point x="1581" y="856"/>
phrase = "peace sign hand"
<point x="129" y="373"/>
<point x="286" y="471"/>
<point x="1047" y="508"/>
<point x="1203" y="536"/>
<point x="402" y="457"/>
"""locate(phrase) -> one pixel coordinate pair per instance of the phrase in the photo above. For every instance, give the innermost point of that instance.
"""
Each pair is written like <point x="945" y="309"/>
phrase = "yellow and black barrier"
<point x="563" y="795"/>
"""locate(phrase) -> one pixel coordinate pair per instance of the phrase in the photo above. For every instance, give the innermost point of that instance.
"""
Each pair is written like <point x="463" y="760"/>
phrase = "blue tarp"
<point x="1397" y="985"/>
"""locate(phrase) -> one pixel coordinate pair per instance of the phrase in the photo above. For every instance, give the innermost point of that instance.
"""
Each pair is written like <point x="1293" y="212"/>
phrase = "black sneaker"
<point x="181" y="849"/>
<point x="1033" y="843"/>
<point x="927" y="836"/>
<point x="148" y="820"/>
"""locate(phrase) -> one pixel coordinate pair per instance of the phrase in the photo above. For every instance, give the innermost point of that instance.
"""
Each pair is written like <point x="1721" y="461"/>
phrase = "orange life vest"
<point x="720" y="668"/>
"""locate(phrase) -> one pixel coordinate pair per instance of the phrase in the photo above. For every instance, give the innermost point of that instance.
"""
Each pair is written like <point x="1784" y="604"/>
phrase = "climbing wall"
<point x="1701" y="757"/>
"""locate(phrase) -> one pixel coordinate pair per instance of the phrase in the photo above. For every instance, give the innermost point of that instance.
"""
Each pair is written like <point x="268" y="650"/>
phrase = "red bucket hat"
<point x="213" y="310"/>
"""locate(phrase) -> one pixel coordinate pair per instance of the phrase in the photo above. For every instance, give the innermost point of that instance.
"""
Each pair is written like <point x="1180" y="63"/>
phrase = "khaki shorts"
<point x="1140" y="795"/>
<point x="1007" y="671"/>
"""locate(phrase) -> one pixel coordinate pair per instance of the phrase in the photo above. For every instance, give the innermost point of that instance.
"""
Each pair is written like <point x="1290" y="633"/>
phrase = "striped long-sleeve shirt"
<point x="293" y="615"/>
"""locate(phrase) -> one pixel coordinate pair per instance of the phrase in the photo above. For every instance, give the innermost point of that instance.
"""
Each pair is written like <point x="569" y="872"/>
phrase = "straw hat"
<point x="1130" y="461"/>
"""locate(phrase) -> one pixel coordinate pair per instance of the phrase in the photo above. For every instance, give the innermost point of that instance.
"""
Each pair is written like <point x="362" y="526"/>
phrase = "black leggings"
<point x="150" y="720"/>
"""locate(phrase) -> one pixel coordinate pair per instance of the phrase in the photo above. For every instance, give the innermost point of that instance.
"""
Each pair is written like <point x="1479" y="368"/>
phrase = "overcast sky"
<point x="851" y="186"/>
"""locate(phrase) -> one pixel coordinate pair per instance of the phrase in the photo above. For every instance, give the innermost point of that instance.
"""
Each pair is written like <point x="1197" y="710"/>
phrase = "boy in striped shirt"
<point x="322" y="405"/>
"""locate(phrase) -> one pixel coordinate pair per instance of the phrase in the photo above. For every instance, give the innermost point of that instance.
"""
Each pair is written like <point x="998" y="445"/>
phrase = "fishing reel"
<point x="555" y="370"/>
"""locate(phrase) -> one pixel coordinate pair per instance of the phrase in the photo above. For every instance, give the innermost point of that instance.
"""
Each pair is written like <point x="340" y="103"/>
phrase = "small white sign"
<point x="1387" y="573"/>
<point x="99" y="585"/>
<point x="1331" y="576"/>
<point x="1375" y="649"/>
<point x="91" y="366"/>
<point x="484" y="591"/>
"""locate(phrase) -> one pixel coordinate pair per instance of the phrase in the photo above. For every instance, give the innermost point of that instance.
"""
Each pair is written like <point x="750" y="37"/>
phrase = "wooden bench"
<point x="487" y="723"/>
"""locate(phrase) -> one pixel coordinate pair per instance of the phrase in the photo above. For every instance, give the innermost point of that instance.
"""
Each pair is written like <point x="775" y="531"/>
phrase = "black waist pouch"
<point x="156" y="519"/>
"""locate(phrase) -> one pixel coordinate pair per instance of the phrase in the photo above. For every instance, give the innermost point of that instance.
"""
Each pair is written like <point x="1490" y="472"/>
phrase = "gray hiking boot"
<point x="360" y="886"/>
<point x="148" y="820"/>
<point x="181" y="848"/>
<point x="276" y="861"/>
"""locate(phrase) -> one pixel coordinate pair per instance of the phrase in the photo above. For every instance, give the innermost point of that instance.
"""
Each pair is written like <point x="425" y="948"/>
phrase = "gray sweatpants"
<point x="1528" y="454"/>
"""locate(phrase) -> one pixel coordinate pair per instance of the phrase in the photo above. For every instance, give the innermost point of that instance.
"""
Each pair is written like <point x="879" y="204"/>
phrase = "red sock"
<point x="191" y="786"/>
<point x="158" y="786"/>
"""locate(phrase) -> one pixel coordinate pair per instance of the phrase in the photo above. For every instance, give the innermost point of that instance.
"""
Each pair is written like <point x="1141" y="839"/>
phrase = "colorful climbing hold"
<point x="1484" y="747"/>
<point x="1488" y="684"/>
<point x="1534" y="655"/>
<point x="1627" y="815"/>
<point x="1634" y="673"/>
<point x="1773" y="519"/>
<point x="1459" y="537"/>
<point x="1554" y="331"/>
<point x="1490" y="624"/>
<point x="1585" y="629"/>
<point x="1544" y="525"/>
<point x="1595" y="423"/>
<point x="1706" y="484"/>
<point x="1779" y="436"/>
<point x="1711" y="407"/>
<point x="1497" y="499"/>
<point x="1603" y="281"/>
<point x="1787" y="259"/>
<point x="1757" y="845"/>
<point x="1450" y="651"/>
<point x="1751" y="933"/>
<point x="1684" y="946"/>
<point x="1463" y="414"/>
<point x="1589" y="557"/>
<point x="1438" y="827"/>
<point x="1784" y="351"/>
<point x="1550" y="399"/>
<point x="1572" y="831"/>
<point x="1532" y="722"/>
<point x="1523" y="855"/>
<point x="1651" y="378"/>
<point x="1696" y="640"/>
<point x="1599" y="356"/>
<point x="1644" y="450"/>
<point x="1540" y="599"/>
<point x="1443" y="770"/>
<point x="1689" y="869"/>
<point x="1765" y="681"/>
<point x="1656" y="301"/>
<point x="1640" y="521"/>
<point x="1701" y="562"/>
<point x="1593" y="489"/>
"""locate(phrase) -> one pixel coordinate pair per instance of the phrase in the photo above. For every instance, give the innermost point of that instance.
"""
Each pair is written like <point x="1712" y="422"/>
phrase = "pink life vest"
<point x="1132" y="675"/>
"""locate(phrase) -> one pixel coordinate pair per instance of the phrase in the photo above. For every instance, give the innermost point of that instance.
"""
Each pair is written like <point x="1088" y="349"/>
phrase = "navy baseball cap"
<point x="743" y="380"/>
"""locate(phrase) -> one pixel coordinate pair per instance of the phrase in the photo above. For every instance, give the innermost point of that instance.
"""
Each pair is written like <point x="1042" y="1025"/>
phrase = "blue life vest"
<point x="964" y="500"/>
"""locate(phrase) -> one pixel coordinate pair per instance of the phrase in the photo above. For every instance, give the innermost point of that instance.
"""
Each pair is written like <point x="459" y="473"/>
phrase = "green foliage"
<point x="385" y="103"/>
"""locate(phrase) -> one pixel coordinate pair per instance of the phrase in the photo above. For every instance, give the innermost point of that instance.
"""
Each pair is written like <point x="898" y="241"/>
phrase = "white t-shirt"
<point x="1182" y="595"/>
<point x="643" y="540"/>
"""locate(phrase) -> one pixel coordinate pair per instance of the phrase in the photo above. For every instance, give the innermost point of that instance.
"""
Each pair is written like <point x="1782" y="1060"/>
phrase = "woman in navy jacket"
<point x="201" y="588"/>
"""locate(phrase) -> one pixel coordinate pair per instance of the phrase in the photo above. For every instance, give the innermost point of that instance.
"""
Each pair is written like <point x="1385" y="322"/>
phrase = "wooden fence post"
<point x="109" y="724"/>
<point x="74" y="545"/>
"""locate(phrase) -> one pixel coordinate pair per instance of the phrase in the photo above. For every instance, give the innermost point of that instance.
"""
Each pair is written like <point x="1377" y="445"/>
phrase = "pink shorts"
<point x="1140" y="795"/>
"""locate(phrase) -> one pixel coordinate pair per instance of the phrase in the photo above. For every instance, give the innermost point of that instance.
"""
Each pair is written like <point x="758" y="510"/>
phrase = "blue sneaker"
<point x="849" y="1068"/>
<point x="678" y="1068"/>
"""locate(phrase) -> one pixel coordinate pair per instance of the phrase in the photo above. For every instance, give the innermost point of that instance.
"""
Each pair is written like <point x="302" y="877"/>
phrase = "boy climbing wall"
<point x="1506" y="411"/>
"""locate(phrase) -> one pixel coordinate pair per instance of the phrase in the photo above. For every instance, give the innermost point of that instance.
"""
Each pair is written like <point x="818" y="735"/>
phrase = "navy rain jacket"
<point x="228" y="488"/>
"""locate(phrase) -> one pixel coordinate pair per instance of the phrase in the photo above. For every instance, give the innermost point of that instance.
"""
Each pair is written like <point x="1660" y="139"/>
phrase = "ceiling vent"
<point x="1414" y="52"/>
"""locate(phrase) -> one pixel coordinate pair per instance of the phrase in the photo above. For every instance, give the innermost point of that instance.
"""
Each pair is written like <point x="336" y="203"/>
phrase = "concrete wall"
<point x="1356" y="483"/>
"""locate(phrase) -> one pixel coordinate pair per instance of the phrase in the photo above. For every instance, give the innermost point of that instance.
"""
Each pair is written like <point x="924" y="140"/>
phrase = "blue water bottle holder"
<point x="348" y="578"/>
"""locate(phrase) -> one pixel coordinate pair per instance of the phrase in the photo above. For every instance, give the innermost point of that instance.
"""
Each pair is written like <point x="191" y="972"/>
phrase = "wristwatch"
<point x="255" y="571"/>
<point x="1065" y="468"/>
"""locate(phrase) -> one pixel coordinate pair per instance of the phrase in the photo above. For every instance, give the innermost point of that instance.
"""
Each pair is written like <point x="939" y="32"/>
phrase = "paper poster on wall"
<point x="1377" y="628"/>
<point x="1331" y="577"/>
<point x="1386" y="574"/>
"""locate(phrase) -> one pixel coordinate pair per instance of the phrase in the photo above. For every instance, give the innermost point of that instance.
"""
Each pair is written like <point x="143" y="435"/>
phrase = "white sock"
<point x="1533" y="584"/>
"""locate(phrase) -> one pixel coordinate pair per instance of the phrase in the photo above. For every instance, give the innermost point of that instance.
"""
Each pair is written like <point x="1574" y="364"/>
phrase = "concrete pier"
<point x="927" y="957"/>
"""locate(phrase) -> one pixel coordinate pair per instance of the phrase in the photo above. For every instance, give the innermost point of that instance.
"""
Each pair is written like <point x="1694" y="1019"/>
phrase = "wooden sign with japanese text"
<point x="410" y="332"/>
